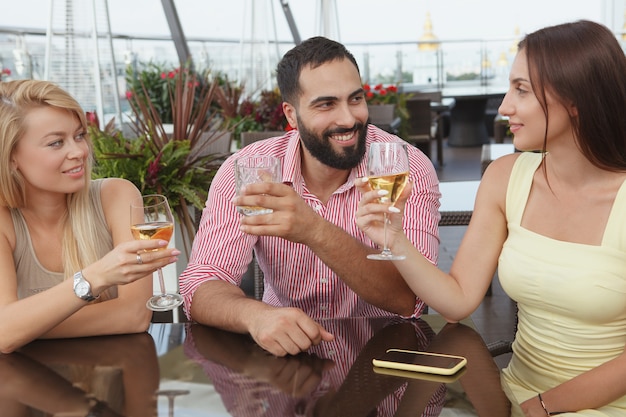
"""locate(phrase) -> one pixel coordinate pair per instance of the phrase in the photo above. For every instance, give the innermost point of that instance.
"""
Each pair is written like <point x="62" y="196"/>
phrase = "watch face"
<point x="82" y="289"/>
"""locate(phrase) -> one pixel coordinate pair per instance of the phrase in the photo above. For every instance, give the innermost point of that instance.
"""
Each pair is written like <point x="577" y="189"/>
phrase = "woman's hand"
<point x="128" y="262"/>
<point x="370" y="214"/>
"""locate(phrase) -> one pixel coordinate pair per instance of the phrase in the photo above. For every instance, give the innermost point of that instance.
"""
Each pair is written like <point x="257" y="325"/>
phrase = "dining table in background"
<point x="467" y="115"/>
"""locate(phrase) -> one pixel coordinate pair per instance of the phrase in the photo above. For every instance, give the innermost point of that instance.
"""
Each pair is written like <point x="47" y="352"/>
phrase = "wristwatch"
<point x="82" y="289"/>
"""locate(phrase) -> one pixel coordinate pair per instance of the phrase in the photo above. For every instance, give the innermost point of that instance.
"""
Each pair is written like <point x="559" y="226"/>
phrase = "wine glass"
<point x="151" y="218"/>
<point x="387" y="169"/>
<point x="171" y="396"/>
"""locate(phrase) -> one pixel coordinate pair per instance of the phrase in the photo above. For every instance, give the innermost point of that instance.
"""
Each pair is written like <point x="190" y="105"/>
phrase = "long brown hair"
<point x="582" y="65"/>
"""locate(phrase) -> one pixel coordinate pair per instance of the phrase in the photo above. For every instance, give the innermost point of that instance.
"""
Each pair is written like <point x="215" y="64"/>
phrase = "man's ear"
<point x="290" y="114"/>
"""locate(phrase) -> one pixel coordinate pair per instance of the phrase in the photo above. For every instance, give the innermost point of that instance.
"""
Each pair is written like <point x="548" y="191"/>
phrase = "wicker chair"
<point x="436" y="118"/>
<point x="419" y="124"/>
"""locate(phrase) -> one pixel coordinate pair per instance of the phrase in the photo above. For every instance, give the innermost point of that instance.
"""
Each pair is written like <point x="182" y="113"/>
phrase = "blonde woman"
<point x="69" y="266"/>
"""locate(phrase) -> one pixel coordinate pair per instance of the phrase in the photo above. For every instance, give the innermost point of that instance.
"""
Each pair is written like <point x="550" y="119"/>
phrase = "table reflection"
<point x="105" y="376"/>
<point x="194" y="370"/>
<point x="338" y="379"/>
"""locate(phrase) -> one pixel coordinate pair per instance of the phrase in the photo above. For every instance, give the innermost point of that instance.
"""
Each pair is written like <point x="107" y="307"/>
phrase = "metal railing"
<point x="465" y="62"/>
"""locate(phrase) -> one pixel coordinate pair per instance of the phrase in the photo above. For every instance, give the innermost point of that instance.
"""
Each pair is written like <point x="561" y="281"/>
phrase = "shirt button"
<point x="323" y="307"/>
<point x="324" y="280"/>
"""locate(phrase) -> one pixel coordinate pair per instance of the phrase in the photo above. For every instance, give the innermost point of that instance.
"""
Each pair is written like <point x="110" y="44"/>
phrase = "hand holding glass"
<point x="253" y="169"/>
<point x="387" y="169"/>
<point x="151" y="218"/>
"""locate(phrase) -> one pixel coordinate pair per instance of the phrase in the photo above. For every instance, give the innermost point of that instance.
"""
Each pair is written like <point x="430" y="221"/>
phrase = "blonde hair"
<point x="17" y="98"/>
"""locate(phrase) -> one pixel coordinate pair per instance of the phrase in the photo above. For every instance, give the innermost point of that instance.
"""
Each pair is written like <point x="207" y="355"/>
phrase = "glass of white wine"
<point x="151" y="218"/>
<point x="387" y="169"/>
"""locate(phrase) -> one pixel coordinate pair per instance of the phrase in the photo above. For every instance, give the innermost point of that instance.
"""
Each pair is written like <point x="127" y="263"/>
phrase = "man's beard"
<point x="321" y="149"/>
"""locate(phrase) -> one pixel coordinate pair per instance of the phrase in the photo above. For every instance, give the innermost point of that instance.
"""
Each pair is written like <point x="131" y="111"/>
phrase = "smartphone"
<point x="446" y="379"/>
<point x="428" y="362"/>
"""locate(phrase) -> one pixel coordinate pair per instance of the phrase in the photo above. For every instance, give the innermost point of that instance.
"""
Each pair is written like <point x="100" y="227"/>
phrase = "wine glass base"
<point x="385" y="257"/>
<point x="164" y="302"/>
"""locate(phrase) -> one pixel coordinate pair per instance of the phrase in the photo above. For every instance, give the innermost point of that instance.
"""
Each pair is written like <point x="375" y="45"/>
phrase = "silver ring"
<point x="139" y="260"/>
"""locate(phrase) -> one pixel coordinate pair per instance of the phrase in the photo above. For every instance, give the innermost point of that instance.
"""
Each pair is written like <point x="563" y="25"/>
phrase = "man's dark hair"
<point x="312" y="52"/>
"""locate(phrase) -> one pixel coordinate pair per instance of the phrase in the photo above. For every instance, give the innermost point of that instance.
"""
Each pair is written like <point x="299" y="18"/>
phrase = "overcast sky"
<point x="359" y="20"/>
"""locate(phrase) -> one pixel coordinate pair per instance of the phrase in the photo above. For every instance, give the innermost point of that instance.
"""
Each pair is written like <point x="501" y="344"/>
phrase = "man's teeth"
<point x="343" y="138"/>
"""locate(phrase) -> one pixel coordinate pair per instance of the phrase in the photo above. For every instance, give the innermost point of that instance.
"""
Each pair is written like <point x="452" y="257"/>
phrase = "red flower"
<point x="366" y="87"/>
<point x="92" y="118"/>
<point x="6" y="71"/>
<point x="382" y="95"/>
<point x="163" y="75"/>
<point x="152" y="176"/>
<point x="129" y="95"/>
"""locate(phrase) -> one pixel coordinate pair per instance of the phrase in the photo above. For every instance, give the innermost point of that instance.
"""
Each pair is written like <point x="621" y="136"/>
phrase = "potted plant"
<point x="175" y="165"/>
<point x="385" y="103"/>
<point x="264" y="114"/>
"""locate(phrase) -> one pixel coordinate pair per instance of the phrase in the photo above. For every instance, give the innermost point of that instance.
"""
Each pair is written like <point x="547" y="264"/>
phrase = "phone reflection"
<point x="108" y="376"/>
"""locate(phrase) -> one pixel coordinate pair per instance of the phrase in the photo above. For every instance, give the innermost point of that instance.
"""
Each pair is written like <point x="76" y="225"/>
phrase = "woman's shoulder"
<point x="115" y="192"/>
<point x="114" y="186"/>
<point x="7" y="231"/>
<point x="501" y="168"/>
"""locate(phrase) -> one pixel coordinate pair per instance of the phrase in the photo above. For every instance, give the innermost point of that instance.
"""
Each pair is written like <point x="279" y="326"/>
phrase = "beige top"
<point x="32" y="277"/>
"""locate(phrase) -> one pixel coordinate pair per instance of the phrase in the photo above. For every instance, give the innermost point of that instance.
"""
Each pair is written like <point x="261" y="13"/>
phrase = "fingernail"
<point x="163" y="242"/>
<point x="383" y="192"/>
<point x="394" y="209"/>
<point x="175" y="252"/>
<point x="364" y="180"/>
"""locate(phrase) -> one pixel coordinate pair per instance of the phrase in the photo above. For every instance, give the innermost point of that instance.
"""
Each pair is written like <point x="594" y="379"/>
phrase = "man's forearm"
<point x="224" y="305"/>
<point x="377" y="282"/>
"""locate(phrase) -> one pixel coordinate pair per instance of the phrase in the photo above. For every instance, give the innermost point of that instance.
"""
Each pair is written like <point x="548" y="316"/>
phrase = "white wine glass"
<point x="151" y="218"/>
<point x="387" y="169"/>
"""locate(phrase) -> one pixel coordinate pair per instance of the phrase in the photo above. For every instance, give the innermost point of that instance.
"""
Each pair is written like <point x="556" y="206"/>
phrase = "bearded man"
<point x="311" y="252"/>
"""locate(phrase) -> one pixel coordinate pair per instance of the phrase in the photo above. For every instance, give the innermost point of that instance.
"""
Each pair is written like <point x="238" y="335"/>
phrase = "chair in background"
<point x="419" y="124"/>
<point x="215" y="142"/>
<point x="437" y="128"/>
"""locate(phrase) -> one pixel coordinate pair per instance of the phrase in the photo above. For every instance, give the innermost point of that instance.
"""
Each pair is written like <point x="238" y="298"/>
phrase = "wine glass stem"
<point x="161" y="281"/>
<point x="170" y="398"/>
<point x="385" y="248"/>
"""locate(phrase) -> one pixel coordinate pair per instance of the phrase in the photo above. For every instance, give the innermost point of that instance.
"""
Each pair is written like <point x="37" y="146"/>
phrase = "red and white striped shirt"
<point x="294" y="275"/>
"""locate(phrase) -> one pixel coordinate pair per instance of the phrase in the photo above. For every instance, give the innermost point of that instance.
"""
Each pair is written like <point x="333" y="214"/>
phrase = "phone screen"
<point x="411" y="358"/>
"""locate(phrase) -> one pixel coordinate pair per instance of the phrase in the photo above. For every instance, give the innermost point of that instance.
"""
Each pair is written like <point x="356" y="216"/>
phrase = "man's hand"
<point x="287" y="330"/>
<point x="292" y="218"/>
